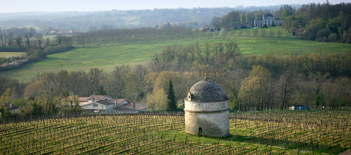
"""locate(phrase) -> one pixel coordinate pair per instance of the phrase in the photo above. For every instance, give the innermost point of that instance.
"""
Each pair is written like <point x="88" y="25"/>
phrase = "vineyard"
<point x="316" y="132"/>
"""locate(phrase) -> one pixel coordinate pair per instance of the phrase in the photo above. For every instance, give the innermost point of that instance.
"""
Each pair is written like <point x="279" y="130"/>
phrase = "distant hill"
<point x="85" y="21"/>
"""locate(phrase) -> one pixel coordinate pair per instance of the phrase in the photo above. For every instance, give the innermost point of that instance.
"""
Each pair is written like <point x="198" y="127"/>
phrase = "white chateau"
<point x="207" y="110"/>
<point x="269" y="20"/>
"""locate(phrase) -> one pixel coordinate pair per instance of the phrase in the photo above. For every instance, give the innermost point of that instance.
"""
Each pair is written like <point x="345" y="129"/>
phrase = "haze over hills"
<point x="92" y="20"/>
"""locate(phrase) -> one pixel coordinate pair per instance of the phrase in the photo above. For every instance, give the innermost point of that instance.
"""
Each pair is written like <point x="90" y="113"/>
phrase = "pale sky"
<point x="106" y="5"/>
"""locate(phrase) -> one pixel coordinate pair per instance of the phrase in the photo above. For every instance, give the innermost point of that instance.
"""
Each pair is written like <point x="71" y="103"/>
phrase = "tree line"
<point x="321" y="22"/>
<point x="264" y="82"/>
<point x="29" y="41"/>
<point x="239" y="17"/>
<point x="126" y="36"/>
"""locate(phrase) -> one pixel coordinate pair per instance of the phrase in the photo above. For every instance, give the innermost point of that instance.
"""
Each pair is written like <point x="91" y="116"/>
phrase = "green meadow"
<point x="107" y="56"/>
<point x="12" y="54"/>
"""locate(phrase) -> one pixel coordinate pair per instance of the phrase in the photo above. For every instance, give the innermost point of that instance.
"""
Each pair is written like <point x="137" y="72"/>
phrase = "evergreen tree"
<point x="171" y="102"/>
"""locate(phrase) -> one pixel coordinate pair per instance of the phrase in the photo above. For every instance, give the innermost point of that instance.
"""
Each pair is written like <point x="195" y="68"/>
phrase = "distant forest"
<point x="322" y="22"/>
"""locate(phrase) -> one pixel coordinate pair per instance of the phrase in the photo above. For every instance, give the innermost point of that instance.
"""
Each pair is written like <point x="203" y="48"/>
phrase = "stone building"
<point x="207" y="110"/>
<point x="268" y="20"/>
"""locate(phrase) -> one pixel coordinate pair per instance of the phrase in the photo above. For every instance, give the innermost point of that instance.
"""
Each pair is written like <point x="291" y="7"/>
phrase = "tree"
<point x="254" y="89"/>
<point x="157" y="100"/>
<point x="59" y="39"/>
<point x="318" y="100"/>
<point x="216" y="22"/>
<point x="132" y="86"/>
<point x="287" y="12"/>
<point x="27" y="39"/>
<point x="171" y="101"/>
<point x="116" y="85"/>
<point x="331" y="93"/>
<point x="317" y="81"/>
<point x="286" y="83"/>
<point x="64" y="40"/>
<point x="18" y="40"/>
<point x="39" y="39"/>
<point x="246" y="17"/>
<point x="76" y="101"/>
<point x="37" y="109"/>
<point x="35" y="89"/>
<point x="230" y="18"/>
<point x="95" y="76"/>
<point x="249" y="91"/>
<point x="241" y="17"/>
<point x="5" y="100"/>
<point x="66" y="100"/>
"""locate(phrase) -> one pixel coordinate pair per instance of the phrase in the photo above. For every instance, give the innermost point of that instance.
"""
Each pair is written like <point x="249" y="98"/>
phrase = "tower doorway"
<point x="200" y="131"/>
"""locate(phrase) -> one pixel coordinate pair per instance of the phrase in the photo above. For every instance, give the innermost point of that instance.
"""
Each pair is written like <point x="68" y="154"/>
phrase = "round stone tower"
<point x="207" y="110"/>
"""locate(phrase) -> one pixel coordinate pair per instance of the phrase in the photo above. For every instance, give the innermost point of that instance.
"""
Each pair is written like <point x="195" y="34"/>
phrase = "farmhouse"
<point x="207" y="110"/>
<point x="246" y="25"/>
<point x="210" y="28"/>
<point x="132" y="107"/>
<point x="14" y="109"/>
<point x="102" y="103"/>
<point x="268" y="20"/>
<point x="97" y="103"/>
<point x="299" y="107"/>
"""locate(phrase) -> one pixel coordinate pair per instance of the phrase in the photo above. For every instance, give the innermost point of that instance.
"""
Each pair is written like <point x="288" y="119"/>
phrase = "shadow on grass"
<point x="54" y="58"/>
<point x="87" y="47"/>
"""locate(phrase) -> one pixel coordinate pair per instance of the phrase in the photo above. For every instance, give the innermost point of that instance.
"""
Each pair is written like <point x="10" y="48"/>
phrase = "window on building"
<point x="95" y="105"/>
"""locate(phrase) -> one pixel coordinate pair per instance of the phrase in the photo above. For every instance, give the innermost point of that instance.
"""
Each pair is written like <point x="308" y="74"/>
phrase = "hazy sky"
<point x="101" y="5"/>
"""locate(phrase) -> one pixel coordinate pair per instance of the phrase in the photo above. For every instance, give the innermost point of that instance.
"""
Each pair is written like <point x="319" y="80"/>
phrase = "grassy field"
<point x="283" y="132"/>
<point x="107" y="56"/>
<point x="12" y="54"/>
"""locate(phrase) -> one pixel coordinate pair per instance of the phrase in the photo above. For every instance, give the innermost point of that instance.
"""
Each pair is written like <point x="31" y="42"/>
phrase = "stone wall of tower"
<point x="207" y="119"/>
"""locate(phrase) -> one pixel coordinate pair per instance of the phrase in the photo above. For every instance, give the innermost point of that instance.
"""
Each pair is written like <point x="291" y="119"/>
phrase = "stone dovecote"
<point x="207" y="110"/>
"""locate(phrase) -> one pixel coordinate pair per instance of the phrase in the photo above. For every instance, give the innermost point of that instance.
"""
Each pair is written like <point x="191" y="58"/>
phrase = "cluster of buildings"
<point x="267" y="20"/>
<point x="100" y="103"/>
<point x="210" y="28"/>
